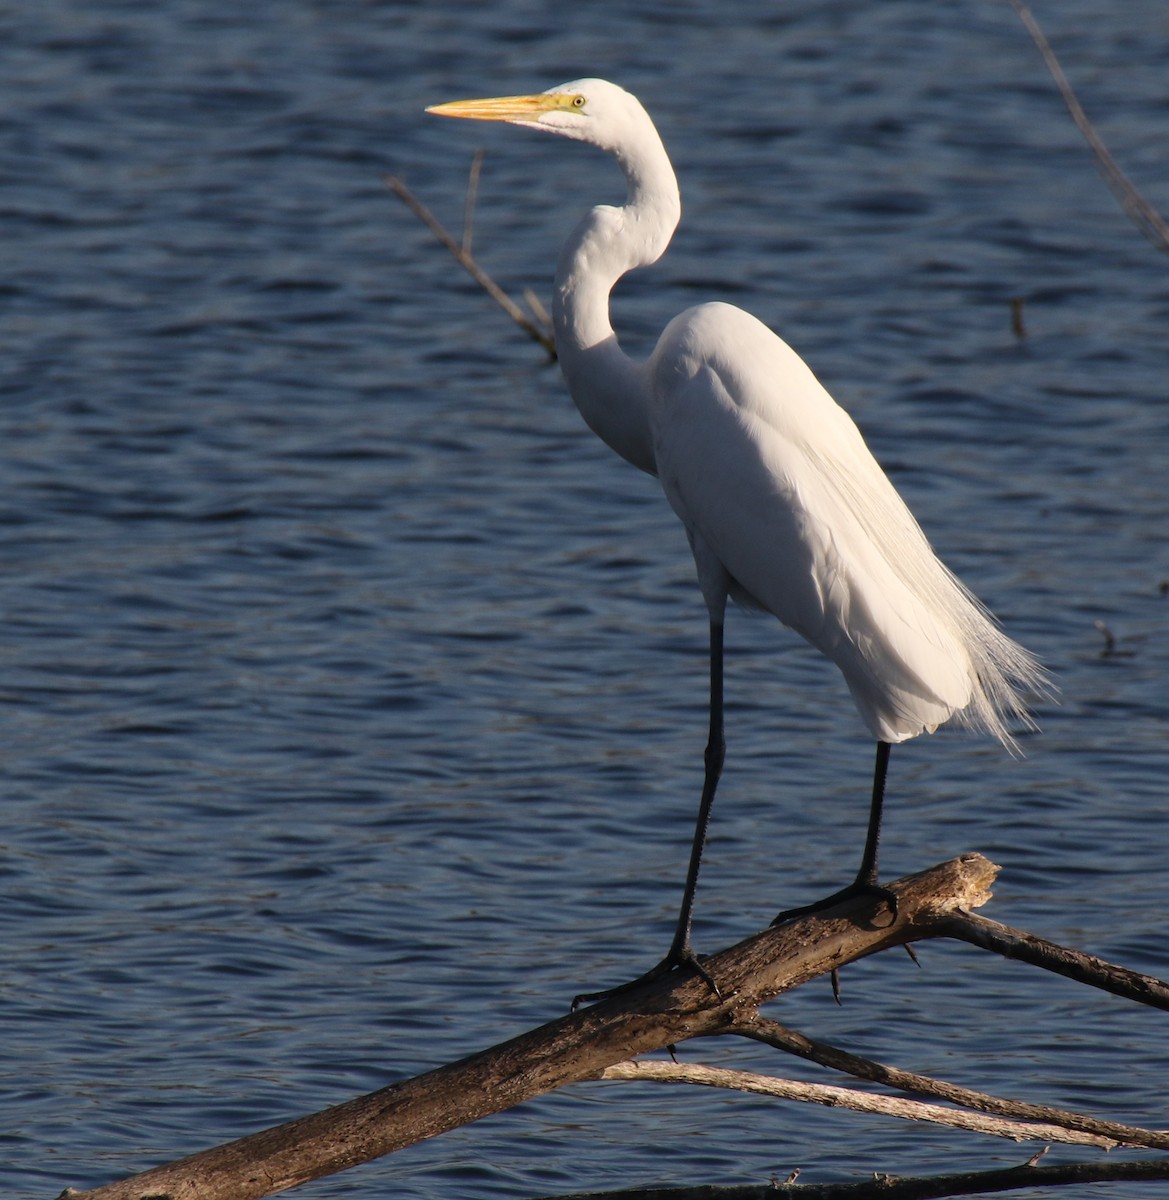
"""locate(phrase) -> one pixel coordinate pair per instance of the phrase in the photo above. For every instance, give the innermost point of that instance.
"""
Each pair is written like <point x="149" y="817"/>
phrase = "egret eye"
<point x="578" y="101"/>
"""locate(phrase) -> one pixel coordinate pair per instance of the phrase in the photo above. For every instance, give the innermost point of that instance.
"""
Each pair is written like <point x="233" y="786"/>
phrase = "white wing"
<point x="777" y="489"/>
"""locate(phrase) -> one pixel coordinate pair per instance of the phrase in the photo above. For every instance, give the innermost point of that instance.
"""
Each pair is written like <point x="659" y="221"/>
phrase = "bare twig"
<point x="468" y="263"/>
<point x="538" y="309"/>
<point x="472" y="196"/>
<point x="1143" y="214"/>
<point x="659" y="1071"/>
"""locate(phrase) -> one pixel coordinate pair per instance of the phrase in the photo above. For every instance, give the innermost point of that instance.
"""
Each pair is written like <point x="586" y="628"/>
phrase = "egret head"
<point x="588" y="110"/>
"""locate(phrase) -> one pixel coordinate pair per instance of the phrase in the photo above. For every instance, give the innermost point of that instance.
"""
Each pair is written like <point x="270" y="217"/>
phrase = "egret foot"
<point x="859" y="887"/>
<point x="684" y="959"/>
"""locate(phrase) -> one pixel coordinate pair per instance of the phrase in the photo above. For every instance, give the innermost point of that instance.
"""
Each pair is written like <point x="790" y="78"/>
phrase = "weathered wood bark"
<point x="577" y="1046"/>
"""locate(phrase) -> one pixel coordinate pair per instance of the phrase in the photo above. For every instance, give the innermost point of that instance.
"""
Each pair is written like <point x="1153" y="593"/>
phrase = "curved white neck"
<point x="610" y="389"/>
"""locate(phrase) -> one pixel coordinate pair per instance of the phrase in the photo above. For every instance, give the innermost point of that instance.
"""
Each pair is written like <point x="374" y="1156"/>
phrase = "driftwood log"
<point x="600" y="1041"/>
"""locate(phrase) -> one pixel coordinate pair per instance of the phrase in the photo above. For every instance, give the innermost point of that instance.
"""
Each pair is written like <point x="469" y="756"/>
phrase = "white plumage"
<point x="784" y="506"/>
<point x="808" y="527"/>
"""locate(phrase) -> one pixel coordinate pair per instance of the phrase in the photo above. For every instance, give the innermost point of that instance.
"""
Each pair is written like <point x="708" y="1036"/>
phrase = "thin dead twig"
<point x="1141" y="212"/>
<point x="660" y="1071"/>
<point x="464" y="258"/>
<point x="472" y="195"/>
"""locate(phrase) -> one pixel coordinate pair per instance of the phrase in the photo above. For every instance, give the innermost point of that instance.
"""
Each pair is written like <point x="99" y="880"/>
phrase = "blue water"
<point x="353" y="693"/>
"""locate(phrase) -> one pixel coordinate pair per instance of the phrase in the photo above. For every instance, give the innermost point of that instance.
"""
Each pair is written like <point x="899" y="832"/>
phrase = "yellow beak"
<point x="506" y="108"/>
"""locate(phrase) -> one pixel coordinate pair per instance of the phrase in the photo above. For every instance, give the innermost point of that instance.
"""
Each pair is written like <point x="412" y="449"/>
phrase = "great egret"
<point x="784" y="506"/>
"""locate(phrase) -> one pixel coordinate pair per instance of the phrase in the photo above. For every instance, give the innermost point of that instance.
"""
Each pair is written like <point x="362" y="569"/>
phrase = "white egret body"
<point x="784" y="506"/>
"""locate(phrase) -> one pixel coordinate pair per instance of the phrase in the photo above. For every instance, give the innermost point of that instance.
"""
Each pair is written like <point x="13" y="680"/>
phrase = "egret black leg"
<point x="716" y="752"/>
<point x="866" y="878"/>
<point x="680" y="953"/>
<point x="868" y="872"/>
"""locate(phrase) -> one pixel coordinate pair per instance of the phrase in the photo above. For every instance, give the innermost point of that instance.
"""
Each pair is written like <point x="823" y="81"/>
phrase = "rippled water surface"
<point x="352" y="692"/>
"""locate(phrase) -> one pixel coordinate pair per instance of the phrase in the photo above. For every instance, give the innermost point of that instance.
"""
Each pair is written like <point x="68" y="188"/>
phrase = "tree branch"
<point x="575" y="1047"/>
<point x="1074" y="964"/>
<point x="585" y="1045"/>
<point x="889" y="1187"/>
<point x="772" y="1033"/>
